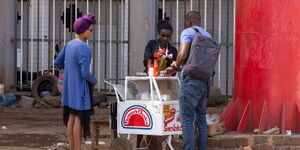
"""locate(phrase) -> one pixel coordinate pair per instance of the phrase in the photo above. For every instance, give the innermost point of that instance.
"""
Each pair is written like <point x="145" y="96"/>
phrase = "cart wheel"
<point x="177" y="144"/>
<point x="151" y="142"/>
<point x="120" y="143"/>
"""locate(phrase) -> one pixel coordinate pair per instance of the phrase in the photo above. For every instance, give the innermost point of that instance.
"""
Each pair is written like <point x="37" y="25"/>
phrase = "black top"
<point x="154" y="45"/>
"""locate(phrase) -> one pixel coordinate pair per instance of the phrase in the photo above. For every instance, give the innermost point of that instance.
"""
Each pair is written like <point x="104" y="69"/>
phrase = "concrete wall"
<point x="7" y="51"/>
<point x="142" y="29"/>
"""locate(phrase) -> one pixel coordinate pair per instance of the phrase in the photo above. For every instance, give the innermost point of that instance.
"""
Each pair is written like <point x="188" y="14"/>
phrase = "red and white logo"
<point x="137" y="117"/>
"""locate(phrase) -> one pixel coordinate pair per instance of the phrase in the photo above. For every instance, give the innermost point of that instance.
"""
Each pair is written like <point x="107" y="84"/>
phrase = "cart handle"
<point x="114" y="86"/>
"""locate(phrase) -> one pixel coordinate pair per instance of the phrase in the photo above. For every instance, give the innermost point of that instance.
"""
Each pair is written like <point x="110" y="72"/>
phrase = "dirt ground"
<point x="34" y="129"/>
<point x="31" y="129"/>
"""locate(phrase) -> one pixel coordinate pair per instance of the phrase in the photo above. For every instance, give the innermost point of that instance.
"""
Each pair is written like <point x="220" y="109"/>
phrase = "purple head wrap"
<point x="83" y="23"/>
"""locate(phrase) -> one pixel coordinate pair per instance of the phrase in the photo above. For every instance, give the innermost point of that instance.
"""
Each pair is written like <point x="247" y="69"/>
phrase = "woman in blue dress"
<point x="75" y="59"/>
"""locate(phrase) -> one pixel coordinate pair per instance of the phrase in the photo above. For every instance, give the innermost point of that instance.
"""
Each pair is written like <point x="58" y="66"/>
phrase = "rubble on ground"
<point x="26" y="102"/>
<point x="47" y="101"/>
<point x="270" y="131"/>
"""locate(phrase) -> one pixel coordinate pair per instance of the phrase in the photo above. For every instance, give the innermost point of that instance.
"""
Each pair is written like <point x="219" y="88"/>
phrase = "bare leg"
<point x="77" y="133"/>
<point x="70" y="127"/>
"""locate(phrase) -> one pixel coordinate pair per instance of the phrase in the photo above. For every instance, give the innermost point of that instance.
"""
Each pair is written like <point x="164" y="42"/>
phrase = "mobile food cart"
<point x="147" y="106"/>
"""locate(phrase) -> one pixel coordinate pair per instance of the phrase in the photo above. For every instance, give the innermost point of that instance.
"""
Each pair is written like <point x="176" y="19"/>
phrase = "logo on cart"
<point x="137" y="117"/>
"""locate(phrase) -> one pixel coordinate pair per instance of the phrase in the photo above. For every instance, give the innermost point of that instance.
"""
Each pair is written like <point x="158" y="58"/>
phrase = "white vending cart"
<point x="147" y="106"/>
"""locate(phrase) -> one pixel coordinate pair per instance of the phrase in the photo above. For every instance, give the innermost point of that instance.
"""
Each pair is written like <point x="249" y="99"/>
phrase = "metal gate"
<point x="218" y="18"/>
<point x="44" y="26"/>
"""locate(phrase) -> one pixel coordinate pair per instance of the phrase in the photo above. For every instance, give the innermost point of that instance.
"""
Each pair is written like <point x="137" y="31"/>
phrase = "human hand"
<point x="175" y="66"/>
<point x="168" y="72"/>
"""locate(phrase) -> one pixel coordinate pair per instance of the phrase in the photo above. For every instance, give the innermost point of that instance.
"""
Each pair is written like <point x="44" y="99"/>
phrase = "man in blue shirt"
<point x="193" y="92"/>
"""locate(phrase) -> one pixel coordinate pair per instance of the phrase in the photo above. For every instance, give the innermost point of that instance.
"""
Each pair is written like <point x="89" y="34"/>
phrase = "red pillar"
<point x="267" y="66"/>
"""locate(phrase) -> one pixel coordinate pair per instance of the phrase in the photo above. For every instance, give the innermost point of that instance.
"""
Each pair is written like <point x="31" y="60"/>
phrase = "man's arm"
<point x="180" y="60"/>
<point x="183" y="54"/>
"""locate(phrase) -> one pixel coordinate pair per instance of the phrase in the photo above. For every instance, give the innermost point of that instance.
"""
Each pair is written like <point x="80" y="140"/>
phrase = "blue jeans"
<point x="193" y="95"/>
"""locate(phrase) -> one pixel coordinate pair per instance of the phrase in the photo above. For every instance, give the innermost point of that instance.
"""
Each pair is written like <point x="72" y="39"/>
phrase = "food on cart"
<point x="170" y="117"/>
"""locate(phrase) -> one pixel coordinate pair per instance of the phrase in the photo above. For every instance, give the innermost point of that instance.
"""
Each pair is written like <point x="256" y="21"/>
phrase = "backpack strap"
<point x="196" y="30"/>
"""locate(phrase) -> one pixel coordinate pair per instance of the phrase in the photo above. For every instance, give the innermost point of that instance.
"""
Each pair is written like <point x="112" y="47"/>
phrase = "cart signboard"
<point x="171" y="119"/>
<point x="137" y="117"/>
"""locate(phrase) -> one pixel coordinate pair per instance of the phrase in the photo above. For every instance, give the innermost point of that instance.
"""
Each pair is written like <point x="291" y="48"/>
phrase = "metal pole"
<point x="227" y="48"/>
<point x="53" y="44"/>
<point x="71" y="19"/>
<point x="16" y="49"/>
<point x="213" y="18"/>
<point x="110" y="39"/>
<point x="191" y="5"/>
<point x="122" y="38"/>
<point x="49" y="35"/>
<point x="38" y="37"/>
<point x="76" y="6"/>
<point x="94" y="42"/>
<point x="87" y="6"/>
<point x="43" y="29"/>
<point x="60" y="24"/>
<point x="184" y="7"/>
<point x="163" y="9"/>
<point x="128" y="25"/>
<point x="171" y="12"/>
<point x="105" y="43"/>
<point x="21" y="61"/>
<point x="65" y="24"/>
<point x="205" y="14"/>
<point x="99" y="43"/>
<point x="156" y="14"/>
<point x="31" y="45"/>
<point x="234" y="31"/>
<point x="220" y="30"/>
<point x="27" y="42"/>
<point x="87" y="41"/>
<point x="177" y="23"/>
<point x="117" y="44"/>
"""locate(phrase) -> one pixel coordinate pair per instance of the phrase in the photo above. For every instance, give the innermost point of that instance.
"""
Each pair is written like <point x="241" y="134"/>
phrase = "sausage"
<point x="170" y="117"/>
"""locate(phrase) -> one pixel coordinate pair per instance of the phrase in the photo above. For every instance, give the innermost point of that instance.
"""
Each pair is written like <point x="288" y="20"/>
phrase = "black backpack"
<point x="204" y="53"/>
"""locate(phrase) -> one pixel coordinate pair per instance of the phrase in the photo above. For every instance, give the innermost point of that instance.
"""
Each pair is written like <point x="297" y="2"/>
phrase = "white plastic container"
<point x="1" y="88"/>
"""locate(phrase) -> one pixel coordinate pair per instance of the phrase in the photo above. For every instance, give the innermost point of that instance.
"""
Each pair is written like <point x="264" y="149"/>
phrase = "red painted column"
<point x="267" y="66"/>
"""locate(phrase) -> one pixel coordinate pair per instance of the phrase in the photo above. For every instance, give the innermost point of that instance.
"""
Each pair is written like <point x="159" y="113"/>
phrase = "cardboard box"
<point x="215" y="129"/>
